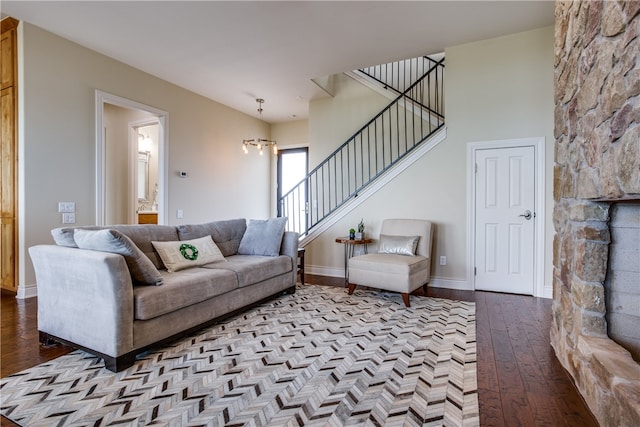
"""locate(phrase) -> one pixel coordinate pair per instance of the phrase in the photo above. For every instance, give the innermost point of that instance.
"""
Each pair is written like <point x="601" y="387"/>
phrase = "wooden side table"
<point x="349" y="245"/>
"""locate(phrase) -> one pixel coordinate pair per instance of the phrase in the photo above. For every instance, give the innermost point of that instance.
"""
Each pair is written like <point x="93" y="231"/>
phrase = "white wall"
<point x="57" y="86"/>
<point x="494" y="89"/>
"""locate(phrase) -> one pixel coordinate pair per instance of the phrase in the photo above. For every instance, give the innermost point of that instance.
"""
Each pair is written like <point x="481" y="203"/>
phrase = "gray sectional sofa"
<point x="107" y="290"/>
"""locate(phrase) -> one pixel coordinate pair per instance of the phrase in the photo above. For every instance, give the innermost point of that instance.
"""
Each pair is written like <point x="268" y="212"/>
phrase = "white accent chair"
<point x="392" y="270"/>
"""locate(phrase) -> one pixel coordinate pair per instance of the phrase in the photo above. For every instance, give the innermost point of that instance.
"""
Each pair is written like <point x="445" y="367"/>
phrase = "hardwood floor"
<point x="520" y="381"/>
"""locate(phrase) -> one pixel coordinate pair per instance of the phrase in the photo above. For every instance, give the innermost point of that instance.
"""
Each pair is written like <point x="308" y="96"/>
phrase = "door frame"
<point x="538" y="144"/>
<point x="163" y="149"/>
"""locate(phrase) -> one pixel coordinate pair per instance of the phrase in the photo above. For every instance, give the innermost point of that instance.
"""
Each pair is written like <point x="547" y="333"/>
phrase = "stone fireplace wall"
<point x="597" y="163"/>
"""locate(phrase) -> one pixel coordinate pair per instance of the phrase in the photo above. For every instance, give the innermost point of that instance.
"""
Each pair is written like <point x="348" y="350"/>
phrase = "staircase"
<point x="415" y="113"/>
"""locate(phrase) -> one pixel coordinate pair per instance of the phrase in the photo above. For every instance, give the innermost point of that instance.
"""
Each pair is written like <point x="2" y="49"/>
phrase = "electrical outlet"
<point x="68" y="218"/>
<point x="180" y="213"/>
<point x="443" y="260"/>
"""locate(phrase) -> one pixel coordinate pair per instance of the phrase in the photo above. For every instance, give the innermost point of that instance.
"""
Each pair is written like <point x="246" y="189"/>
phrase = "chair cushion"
<point x="398" y="273"/>
<point x="389" y="263"/>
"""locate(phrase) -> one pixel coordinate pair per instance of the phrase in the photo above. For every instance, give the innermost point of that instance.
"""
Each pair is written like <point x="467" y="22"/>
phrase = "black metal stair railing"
<point x="410" y="119"/>
<point x="398" y="76"/>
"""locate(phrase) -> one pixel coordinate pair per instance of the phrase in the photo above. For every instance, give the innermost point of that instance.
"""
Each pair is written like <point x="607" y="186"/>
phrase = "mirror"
<point x="143" y="176"/>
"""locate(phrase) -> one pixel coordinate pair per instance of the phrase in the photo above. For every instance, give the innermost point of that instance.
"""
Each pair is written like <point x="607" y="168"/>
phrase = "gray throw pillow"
<point x="141" y="268"/>
<point x="399" y="245"/>
<point x="63" y="236"/>
<point x="263" y="237"/>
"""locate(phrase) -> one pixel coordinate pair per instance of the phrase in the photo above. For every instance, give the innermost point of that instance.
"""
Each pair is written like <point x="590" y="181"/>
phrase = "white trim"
<point x="370" y="190"/>
<point x="324" y="271"/>
<point x="23" y="291"/>
<point x="436" y="282"/>
<point x="27" y="291"/>
<point x="163" y="161"/>
<point x="460" y="285"/>
<point x="540" y="225"/>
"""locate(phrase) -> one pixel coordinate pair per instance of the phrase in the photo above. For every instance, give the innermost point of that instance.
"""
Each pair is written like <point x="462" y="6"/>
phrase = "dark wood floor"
<point x="520" y="381"/>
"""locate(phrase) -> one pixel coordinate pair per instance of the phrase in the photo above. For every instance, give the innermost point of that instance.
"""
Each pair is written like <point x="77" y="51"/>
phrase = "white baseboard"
<point x="461" y="285"/>
<point x="436" y="282"/>
<point x="27" y="291"/>
<point x="324" y="271"/>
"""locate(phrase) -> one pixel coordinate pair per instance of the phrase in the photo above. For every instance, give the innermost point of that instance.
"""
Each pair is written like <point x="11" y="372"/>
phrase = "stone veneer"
<point x="597" y="162"/>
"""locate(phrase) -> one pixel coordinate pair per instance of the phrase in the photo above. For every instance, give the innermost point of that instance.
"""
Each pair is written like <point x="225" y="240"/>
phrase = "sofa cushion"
<point x="263" y="237"/>
<point x="400" y="245"/>
<point x="251" y="269"/>
<point x="183" y="254"/>
<point x="389" y="263"/>
<point x="180" y="290"/>
<point x="141" y="268"/>
<point x="226" y="234"/>
<point x="143" y="234"/>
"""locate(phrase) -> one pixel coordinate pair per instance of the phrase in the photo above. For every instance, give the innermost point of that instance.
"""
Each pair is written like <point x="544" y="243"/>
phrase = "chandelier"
<point x="259" y="143"/>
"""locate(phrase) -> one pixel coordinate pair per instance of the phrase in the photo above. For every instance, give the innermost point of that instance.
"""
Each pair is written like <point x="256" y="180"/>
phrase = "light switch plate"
<point x="66" y="207"/>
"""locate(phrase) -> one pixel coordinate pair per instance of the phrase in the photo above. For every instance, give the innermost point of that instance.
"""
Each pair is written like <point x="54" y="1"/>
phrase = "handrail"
<point x="374" y="148"/>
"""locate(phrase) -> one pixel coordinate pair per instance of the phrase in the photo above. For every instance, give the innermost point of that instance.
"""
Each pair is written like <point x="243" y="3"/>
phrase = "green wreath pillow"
<point x="188" y="253"/>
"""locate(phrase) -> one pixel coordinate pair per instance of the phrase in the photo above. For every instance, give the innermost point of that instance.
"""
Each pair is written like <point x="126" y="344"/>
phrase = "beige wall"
<point x="495" y="89"/>
<point x="58" y="80"/>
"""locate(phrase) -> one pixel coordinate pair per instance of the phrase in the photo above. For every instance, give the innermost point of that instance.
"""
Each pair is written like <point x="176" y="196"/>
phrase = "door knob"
<point x="527" y="215"/>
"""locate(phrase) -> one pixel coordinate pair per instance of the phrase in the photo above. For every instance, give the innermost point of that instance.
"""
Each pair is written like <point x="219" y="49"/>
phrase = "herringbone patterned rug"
<point x="318" y="357"/>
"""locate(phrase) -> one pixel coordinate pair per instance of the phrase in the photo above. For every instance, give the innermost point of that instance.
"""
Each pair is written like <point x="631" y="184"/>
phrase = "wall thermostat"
<point x="182" y="174"/>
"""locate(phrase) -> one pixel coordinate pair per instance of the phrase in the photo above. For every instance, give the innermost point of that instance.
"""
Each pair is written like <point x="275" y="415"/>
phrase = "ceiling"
<point x="236" y="51"/>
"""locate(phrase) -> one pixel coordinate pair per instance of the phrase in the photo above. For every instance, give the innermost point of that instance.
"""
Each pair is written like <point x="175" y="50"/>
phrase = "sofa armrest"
<point x="289" y="247"/>
<point x="85" y="297"/>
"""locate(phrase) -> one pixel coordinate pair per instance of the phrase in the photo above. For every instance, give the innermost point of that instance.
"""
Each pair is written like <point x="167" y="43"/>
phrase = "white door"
<point x="504" y="220"/>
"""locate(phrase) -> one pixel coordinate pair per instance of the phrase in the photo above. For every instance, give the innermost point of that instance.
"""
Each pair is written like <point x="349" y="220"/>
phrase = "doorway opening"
<point x="293" y="166"/>
<point x="119" y="122"/>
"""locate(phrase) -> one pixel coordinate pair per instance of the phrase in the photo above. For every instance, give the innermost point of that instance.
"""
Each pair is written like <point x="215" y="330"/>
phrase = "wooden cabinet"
<point x="147" y="218"/>
<point x="9" y="154"/>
